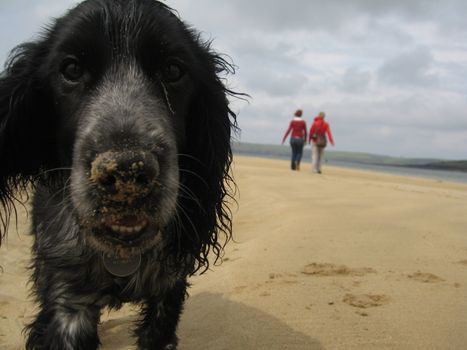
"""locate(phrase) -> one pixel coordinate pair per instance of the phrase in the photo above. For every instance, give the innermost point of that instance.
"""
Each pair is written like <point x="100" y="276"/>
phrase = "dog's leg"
<point x="157" y="329"/>
<point x="64" y="327"/>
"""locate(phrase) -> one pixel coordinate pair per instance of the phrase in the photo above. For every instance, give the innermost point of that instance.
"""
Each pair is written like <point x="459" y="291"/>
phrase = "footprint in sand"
<point x="278" y="278"/>
<point x="326" y="269"/>
<point x="365" y="301"/>
<point x="425" y="277"/>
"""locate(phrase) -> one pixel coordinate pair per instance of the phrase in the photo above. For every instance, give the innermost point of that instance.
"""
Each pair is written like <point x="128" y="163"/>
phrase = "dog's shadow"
<point x="212" y="322"/>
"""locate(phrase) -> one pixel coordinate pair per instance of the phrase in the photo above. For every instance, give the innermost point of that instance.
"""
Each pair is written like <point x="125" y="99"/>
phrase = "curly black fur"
<point x="119" y="119"/>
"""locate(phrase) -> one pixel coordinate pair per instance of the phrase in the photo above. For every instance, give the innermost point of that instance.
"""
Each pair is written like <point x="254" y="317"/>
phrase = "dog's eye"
<point x="71" y="69"/>
<point x="173" y="72"/>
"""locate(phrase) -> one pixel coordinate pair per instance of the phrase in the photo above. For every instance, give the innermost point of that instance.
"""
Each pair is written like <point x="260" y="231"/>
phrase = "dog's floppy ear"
<point x="25" y="125"/>
<point x="205" y="169"/>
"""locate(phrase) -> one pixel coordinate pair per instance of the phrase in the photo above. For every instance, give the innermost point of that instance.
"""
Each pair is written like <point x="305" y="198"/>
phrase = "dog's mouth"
<point x="126" y="227"/>
<point x="125" y="230"/>
<point x="124" y="235"/>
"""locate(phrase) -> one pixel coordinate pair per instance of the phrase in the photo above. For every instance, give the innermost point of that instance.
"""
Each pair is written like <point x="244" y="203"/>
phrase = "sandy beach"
<point x="344" y="260"/>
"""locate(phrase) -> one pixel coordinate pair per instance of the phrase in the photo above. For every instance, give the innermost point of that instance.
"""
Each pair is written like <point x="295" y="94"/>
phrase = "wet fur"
<point x="50" y="132"/>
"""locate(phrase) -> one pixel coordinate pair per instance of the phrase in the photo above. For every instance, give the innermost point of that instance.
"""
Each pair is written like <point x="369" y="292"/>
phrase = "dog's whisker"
<point x="167" y="99"/>
<point x="189" y="156"/>
<point x="65" y="207"/>
<point x="47" y="171"/>
<point x="64" y="191"/>
<point x="181" y="210"/>
<point x="187" y="193"/>
<point x="196" y="175"/>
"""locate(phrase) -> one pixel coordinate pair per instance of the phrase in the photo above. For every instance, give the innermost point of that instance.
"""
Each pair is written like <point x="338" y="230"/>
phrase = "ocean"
<point x="440" y="175"/>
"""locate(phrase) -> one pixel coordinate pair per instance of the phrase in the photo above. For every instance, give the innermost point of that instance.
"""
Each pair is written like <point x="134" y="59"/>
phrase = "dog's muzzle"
<point x="123" y="180"/>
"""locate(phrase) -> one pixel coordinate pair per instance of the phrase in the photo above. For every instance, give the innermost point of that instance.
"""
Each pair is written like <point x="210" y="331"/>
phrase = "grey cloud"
<point x="275" y="83"/>
<point x="409" y="69"/>
<point x="23" y="20"/>
<point x="330" y="15"/>
<point x="355" y="80"/>
<point x="259" y="47"/>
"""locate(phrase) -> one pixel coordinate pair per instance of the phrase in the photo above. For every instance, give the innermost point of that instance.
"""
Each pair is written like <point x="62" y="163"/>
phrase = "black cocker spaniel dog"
<point x="119" y="118"/>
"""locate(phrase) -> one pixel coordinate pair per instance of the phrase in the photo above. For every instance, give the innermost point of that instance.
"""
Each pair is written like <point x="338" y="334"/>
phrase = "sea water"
<point x="440" y="175"/>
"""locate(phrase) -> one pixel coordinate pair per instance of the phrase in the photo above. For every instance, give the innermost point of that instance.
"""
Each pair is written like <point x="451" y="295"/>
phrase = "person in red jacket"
<point x="318" y="131"/>
<point x="297" y="127"/>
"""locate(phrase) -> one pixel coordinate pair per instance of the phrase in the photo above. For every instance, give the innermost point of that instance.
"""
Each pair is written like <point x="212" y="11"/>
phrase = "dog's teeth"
<point x="125" y="230"/>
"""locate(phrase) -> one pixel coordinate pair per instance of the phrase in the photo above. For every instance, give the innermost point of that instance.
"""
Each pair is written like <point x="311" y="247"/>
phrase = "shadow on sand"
<point x="212" y="322"/>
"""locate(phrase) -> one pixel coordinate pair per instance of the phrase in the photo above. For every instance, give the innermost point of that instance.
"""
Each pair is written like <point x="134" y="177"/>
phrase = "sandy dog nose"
<point x="124" y="176"/>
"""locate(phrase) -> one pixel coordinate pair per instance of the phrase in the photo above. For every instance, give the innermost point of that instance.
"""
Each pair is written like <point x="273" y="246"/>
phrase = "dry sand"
<point x="343" y="260"/>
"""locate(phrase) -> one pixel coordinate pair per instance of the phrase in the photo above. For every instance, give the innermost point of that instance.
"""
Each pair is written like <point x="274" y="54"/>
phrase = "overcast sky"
<point x="391" y="75"/>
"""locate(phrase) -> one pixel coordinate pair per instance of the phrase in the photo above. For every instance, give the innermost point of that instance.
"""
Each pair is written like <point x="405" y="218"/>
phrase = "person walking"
<point x="298" y="129"/>
<point x="318" y="131"/>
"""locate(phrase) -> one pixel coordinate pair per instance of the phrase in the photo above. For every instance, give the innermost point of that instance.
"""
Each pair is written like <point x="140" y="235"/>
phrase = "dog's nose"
<point x="124" y="176"/>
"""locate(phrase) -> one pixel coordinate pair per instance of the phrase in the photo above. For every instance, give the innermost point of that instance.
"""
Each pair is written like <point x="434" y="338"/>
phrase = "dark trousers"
<point x="297" y="151"/>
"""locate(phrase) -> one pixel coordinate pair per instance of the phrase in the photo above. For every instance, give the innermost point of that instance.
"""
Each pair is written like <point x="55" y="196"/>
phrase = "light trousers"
<point x="316" y="157"/>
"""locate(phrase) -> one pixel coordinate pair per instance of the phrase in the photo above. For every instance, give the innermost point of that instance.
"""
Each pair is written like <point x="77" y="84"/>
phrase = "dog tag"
<point x="121" y="267"/>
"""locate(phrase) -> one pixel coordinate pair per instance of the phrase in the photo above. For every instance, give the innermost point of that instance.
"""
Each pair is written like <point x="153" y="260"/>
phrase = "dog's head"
<point x="128" y="98"/>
